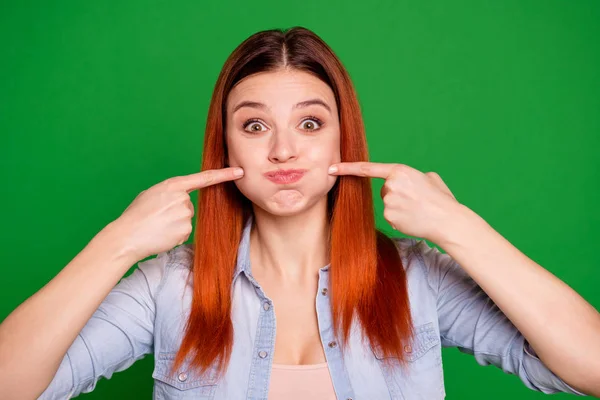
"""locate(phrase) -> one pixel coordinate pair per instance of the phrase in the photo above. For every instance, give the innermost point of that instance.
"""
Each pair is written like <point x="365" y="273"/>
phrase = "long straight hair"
<point x="366" y="272"/>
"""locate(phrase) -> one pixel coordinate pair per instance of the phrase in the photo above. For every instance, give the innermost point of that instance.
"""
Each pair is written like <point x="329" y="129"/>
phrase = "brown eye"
<point x="312" y="123"/>
<point x="255" y="126"/>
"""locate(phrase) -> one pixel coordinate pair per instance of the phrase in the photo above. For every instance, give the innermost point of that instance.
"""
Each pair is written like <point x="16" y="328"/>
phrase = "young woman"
<point x="288" y="289"/>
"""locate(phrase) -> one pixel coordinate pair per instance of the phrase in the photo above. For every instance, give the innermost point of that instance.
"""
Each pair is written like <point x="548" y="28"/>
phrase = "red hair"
<point x="368" y="280"/>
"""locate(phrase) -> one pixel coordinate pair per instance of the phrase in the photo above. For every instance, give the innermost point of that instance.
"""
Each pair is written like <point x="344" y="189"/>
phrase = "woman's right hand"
<point x="160" y="217"/>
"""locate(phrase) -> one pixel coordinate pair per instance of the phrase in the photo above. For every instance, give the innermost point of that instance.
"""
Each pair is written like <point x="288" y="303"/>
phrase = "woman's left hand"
<point x="415" y="203"/>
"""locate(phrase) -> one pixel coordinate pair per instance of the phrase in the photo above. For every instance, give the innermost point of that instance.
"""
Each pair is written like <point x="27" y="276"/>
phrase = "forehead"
<point x="282" y="87"/>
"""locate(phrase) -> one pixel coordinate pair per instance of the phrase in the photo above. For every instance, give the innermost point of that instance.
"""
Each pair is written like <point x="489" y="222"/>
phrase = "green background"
<point x="100" y="100"/>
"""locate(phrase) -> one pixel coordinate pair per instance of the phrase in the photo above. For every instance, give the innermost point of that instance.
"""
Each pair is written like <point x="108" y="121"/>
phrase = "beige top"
<point x="299" y="382"/>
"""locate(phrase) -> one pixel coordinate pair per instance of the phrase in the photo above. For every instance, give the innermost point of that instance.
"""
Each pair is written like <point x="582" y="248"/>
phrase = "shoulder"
<point x="166" y="265"/>
<point x="412" y="253"/>
<point x="177" y="257"/>
<point x="414" y="247"/>
<point x="427" y="255"/>
<point x="415" y="253"/>
<point x="406" y="248"/>
<point x="181" y="256"/>
<point x="441" y="270"/>
<point x="423" y="260"/>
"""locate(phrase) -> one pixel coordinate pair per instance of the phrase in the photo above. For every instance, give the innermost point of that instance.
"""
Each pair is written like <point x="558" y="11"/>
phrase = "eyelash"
<point x="308" y="118"/>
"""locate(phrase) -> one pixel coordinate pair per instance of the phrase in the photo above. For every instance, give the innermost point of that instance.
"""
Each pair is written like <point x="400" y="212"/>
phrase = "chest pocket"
<point x="185" y="383"/>
<point x="423" y="377"/>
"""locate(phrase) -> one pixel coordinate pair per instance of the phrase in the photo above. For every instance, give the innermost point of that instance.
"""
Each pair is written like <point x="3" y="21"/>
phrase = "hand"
<point x="415" y="203"/>
<point x="160" y="217"/>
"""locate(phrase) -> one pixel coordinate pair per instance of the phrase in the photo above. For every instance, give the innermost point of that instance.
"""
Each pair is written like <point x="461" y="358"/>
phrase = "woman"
<point x="289" y="290"/>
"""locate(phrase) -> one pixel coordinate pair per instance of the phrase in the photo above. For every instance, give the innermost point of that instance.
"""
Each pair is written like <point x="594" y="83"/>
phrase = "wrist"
<point x="461" y="226"/>
<point x="113" y="237"/>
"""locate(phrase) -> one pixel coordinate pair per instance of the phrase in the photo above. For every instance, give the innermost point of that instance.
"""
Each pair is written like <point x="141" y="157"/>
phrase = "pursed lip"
<point x="285" y="175"/>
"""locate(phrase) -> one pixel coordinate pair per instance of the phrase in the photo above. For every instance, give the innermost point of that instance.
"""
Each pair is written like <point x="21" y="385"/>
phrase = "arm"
<point x="562" y="327"/>
<point x="557" y="326"/>
<point x="35" y="337"/>
<point x="80" y="327"/>
<point x="120" y="332"/>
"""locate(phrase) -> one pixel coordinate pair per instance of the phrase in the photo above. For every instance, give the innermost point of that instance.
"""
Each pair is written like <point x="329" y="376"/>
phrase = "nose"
<point x="283" y="147"/>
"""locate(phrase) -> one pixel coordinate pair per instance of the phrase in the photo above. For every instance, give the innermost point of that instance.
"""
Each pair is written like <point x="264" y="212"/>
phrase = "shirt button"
<point x="182" y="377"/>
<point x="324" y="292"/>
<point x="332" y="344"/>
<point x="408" y="348"/>
<point x="262" y="354"/>
<point x="266" y="306"/>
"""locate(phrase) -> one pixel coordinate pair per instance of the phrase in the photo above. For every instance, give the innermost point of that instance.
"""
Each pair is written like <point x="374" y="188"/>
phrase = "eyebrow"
<point x="302" y="104"/>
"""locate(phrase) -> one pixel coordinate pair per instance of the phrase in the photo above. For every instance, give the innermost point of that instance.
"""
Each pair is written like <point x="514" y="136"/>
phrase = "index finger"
<point x="363" y="168"/>
<point x="205" y="178"/>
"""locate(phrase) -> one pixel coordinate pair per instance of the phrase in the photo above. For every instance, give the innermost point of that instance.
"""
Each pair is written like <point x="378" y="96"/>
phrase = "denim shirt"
<point x="146" y="312"/>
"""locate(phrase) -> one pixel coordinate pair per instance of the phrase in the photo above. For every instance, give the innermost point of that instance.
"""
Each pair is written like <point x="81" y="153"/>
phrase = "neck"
<point x="290" y="248"/>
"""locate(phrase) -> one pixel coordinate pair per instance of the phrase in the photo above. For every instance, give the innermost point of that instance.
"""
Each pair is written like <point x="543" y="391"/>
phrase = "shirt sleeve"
<point x="120" y="332"/>
<point x="472" y="322"/>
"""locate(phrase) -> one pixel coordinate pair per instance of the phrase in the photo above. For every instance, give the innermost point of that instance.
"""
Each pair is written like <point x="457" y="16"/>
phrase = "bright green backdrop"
<point x="100" y="100"/>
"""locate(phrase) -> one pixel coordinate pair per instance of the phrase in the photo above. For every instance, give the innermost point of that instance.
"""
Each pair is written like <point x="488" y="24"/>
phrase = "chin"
<point x="283" y="213"/>
<point x="286" y="203"/>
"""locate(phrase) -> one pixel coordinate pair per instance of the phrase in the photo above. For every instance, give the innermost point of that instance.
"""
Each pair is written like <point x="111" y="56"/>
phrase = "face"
<point x="278" y="121"/>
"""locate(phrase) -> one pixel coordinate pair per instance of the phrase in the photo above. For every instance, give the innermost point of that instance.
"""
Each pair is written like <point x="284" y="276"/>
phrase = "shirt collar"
<point x="243" y="255"/>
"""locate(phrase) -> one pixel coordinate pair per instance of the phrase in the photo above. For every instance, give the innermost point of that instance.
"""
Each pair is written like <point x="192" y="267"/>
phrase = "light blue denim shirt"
<point x="146" y="312"/>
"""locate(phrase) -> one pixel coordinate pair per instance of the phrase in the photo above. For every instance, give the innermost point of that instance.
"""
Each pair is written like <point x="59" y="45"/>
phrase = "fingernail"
<point x="238" y="172"/>
<point x="333" y="169"/>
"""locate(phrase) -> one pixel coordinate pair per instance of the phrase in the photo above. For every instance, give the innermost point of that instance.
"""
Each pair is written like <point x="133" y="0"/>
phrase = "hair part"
<point x="367" y="278"/>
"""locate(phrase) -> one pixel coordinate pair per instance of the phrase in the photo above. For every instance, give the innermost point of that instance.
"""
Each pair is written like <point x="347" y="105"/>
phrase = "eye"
<point x="311" y="123"/>
<point x="253" y="123"/>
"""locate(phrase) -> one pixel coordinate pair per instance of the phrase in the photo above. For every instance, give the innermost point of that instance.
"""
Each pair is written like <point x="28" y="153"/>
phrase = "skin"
<point x="562" y="328"/>
<point x="288" y="245"/>
<point x="40" y="330"/>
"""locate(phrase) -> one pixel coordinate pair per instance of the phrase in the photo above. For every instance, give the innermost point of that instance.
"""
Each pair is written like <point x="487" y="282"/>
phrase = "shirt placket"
<point x="333" y="353"/>
<point x="264" y="343"/>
